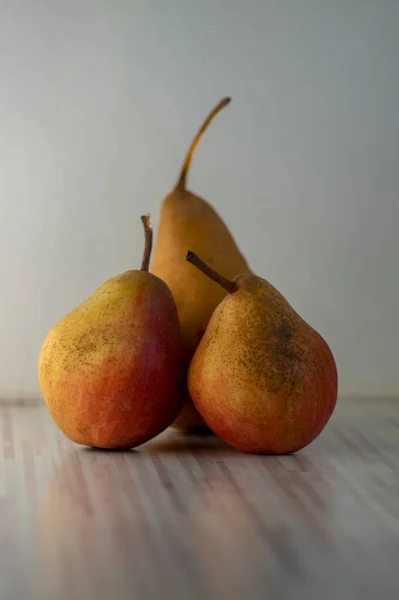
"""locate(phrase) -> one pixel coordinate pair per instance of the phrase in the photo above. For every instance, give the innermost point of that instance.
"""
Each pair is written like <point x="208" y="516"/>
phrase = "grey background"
<point x="98" y="103"/>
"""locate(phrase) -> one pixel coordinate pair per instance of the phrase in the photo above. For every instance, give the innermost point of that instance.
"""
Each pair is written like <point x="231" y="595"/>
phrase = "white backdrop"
<point x="98" y="103"/>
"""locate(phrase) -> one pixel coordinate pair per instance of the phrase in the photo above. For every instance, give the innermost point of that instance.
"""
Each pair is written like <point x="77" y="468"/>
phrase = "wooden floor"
<point x="191" y="518"/>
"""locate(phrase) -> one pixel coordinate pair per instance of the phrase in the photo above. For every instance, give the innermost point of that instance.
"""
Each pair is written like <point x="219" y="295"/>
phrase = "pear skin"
<point x="262" y="378"/>
<point x="111" y="372"/>
<point x="189" y="221"/>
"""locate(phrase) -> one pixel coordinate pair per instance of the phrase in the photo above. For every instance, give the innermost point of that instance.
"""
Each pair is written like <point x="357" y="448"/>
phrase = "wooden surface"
<point x="191" y="518"/>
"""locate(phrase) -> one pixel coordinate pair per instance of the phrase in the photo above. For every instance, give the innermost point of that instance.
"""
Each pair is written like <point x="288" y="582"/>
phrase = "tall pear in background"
<point x="187" y="221"/>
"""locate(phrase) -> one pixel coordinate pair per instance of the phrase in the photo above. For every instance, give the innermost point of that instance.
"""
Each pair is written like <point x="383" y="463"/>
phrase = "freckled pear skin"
<point x="111" y="371"/>
<point x="262" y="378"/>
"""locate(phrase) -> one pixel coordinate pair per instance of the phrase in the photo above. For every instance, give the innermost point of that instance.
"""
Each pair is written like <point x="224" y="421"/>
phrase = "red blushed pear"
<point x="111" y="372"/>
<point x="262" y="378"/>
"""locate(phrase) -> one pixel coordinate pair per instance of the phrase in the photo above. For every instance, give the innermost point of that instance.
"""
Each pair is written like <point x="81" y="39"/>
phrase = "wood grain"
<point x="191" y="518"/>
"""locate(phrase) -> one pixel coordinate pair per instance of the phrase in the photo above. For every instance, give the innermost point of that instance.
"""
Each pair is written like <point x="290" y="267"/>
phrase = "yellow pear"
<point x="187" y="221"/>
<point x="111" y="372"/>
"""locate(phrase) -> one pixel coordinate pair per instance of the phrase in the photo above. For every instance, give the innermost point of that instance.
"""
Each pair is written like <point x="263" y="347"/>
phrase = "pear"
<point x="111" y="372"/>
<point x="261" y="378"/>
<point x="188" y="221"/>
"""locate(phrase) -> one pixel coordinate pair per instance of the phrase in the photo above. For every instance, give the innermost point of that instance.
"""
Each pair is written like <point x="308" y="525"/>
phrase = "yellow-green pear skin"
<point x="111" y="372"/>
<point x="187" y="221"/>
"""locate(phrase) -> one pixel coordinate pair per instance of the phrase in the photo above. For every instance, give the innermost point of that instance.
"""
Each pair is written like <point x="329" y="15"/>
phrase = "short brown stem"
<point x="227" y="284"/>
<point x="146" y="220"/>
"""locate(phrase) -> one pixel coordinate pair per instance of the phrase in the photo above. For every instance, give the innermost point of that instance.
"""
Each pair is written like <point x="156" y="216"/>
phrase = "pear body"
<point x="111" y="371"/>
<point x="189" y="222"/>
<point x="262" y="378"/>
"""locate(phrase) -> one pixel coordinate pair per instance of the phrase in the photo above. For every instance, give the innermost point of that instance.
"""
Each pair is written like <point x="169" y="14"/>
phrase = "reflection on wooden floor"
<point x="192" y="518"/>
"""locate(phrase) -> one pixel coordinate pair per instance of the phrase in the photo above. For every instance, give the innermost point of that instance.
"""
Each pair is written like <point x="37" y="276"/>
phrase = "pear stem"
<point x="227" y="284"/>
<point x="146" y="220"/>
<point x="181" y="183"/>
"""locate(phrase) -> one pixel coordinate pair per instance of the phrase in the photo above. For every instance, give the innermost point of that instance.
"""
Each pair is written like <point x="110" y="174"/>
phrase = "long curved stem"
<point x="146" y="220"/>
<point x="181" y="183"/>
<point x="227" y="284"/>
